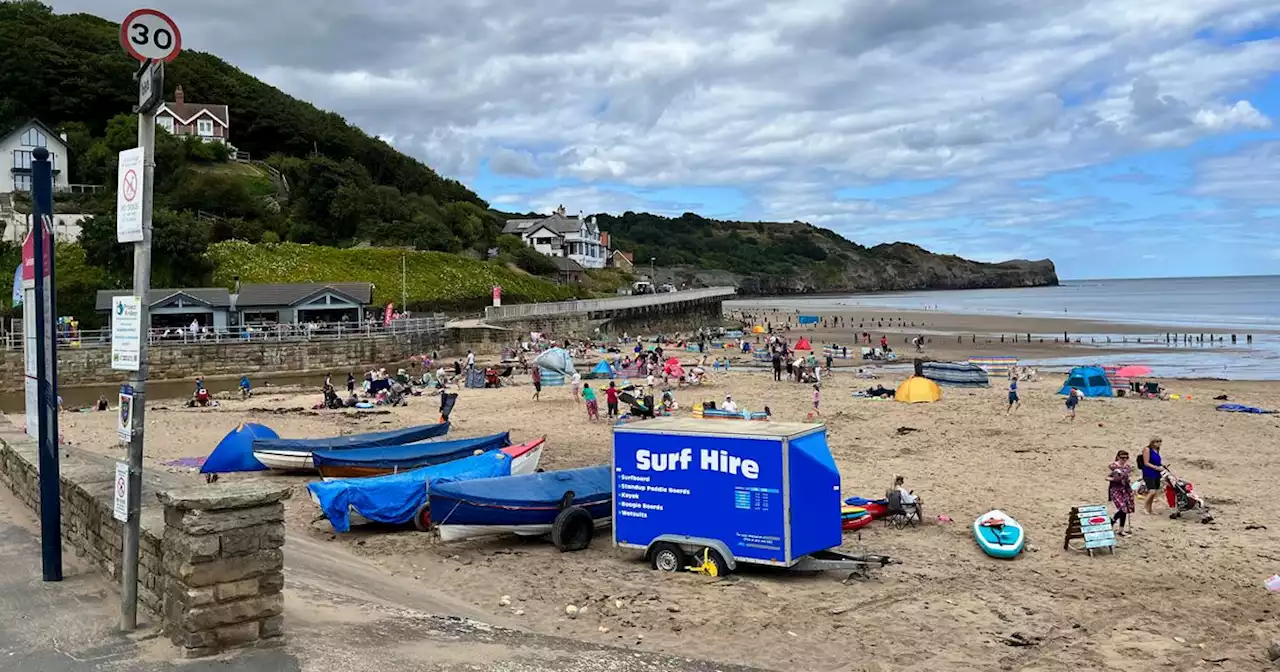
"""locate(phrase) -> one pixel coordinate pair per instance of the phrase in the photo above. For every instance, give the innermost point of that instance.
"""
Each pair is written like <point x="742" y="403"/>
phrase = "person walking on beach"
<point x="1120" y="491"/>
<point x="577" y="387"/>
<point x="593" y="407"/>
<point x="1073" y="400"/>
<point x="1152" y="465"/>
<point x="817" y="399"/>
<point x="351" y="384"/>
<point x="611" y="399"/>
<point x="1014" y="401"/>
<point x="536" y="373"/>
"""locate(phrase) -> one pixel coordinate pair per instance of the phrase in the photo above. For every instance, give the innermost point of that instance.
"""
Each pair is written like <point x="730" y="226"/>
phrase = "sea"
<point x="1243" y="305"/>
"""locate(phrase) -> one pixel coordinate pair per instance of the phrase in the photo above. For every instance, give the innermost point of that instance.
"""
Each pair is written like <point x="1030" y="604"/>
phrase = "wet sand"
<point x="1175" y="595"/>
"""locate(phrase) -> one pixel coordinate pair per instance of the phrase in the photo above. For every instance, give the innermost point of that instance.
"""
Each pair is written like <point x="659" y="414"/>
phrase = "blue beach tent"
<point x="235" y="451"/>
<point x="1091" y="380"/>
<point x="602" y="370"/>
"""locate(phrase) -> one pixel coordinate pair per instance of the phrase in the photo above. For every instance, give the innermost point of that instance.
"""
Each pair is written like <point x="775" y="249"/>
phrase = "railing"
<point x="78" y="188"/>
<point x="257" y="333"/>
<point x="596" y="305"/>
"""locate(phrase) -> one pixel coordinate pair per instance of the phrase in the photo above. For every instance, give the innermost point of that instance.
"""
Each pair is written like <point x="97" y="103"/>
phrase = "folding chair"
<point x="901" y="515"/>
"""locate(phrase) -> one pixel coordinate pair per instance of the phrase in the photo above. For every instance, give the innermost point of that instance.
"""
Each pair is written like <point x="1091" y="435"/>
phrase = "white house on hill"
<point x="210" y="123"/>
<point x="577" y="238"/>
<point x="17" y="145"/>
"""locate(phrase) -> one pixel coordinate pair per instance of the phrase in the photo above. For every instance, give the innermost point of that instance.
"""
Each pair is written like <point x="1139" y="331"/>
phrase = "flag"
<point x="17" y="286"/>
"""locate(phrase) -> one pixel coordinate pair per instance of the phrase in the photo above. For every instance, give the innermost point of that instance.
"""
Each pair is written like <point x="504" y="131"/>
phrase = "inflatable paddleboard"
<point x="998" y="534"/>
<point x="854" y="517"/>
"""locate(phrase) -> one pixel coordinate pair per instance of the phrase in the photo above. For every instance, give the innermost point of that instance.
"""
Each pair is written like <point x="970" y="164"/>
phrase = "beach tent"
<point x="552" y="378"/>
<point x="235" y="451"/>
<point x="803" y="344"/>
<point x="1091" y="380"/>
<point x="807" y="319"/>
<point x="556" y="359"/>
<point x="602" y="370"/>
<point x="918" y="390"/>
<point x="957" y="374"/>
<point x="758" y="329"/>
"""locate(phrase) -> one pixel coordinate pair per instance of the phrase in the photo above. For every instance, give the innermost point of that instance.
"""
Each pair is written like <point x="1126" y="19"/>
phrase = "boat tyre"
<point x="666" y="557"/>
<point x="422" y="518"/>
<point x="711" y="562"/>
<point x="572" y="529"/>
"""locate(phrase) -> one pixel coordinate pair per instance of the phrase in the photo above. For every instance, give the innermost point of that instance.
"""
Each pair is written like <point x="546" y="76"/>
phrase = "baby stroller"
<point x="1183" y="498"/>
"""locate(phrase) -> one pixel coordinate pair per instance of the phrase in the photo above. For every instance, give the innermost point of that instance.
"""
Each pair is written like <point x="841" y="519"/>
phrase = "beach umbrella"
<point x="1133" y="371"/>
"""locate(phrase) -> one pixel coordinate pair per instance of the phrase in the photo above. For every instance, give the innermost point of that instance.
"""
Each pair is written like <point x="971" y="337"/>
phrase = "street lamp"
<point x="653" y="276"/>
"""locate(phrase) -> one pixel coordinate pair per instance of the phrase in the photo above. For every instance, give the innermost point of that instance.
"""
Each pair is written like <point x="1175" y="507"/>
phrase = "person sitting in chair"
<point x="908" y="497"/>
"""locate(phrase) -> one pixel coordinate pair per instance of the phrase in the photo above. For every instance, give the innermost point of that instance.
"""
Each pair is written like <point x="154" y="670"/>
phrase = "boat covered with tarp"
<point x="397" y="499"/>
<point x="394" y="459"/>
<point x="525" y="505"/>
<point x="295" y="454"/>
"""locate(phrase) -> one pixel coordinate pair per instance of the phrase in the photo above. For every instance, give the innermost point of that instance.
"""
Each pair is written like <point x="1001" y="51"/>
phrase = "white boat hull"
<point x="285" y="460"/>
<point x="460" y="532"/>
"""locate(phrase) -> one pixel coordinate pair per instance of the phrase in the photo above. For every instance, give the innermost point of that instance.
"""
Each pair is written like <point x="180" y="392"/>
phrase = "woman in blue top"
<point x="1152" y="467"/>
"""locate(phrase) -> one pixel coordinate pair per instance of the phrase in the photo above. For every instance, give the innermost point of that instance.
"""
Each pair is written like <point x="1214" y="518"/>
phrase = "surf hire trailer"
<point x="706" y="495"/>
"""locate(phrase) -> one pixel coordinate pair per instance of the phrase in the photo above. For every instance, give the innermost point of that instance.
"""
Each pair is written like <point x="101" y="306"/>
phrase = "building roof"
<point x="214" y="297"/>
<point x="557" y="223"/>
<point x="295" y="293"/>
<point x="626" y="255"/>
<point x="50" y="134"/>
<point x="567" y="265"/>
<point x="185" y="112"/>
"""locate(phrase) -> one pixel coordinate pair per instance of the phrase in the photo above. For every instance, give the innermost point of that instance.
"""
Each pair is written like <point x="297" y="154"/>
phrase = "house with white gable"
<point x="560" y="235"/>
<point x="18" y="143"/>
<point x="210" y="123"/>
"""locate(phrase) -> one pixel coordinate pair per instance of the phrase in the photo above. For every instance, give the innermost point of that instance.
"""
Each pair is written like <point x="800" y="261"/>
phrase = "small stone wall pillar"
<point x="223" y="567"/>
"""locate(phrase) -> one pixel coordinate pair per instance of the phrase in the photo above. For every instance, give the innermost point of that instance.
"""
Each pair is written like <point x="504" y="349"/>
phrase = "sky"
<point x="1120" y="138"/>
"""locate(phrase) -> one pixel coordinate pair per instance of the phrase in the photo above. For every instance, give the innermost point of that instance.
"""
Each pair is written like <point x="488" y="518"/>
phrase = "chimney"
<point x="178" y="98"/>
<point x="237" y="290"/>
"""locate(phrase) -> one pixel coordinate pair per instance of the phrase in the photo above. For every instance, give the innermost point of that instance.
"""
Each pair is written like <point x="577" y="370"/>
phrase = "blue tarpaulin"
<point x="235" y="451"/>
<point x="394" y="499"/>
<point x="412" y="455"/>
<point x="807" y="319"/>
<point x="1240" y="408"/>
<point x="394" y="437"/>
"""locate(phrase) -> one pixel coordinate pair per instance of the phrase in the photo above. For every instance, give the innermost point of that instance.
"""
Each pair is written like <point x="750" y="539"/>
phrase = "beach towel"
<point x="1240" y="408"/>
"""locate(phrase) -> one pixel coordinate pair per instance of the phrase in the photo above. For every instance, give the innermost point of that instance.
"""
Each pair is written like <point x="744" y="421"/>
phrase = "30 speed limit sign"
<point x="150" y="35"/>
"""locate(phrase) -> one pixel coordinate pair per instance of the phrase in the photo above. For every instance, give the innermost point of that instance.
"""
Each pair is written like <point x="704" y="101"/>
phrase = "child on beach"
<point x="611" y="399"/>
<point x="1014" y="402"/>
<point x="1073" y="400"/>
<point x="536" y="374"/>
<point x="817" y="399"/>
<point x="593" y="408"/>
<point x="1119" y="490"/>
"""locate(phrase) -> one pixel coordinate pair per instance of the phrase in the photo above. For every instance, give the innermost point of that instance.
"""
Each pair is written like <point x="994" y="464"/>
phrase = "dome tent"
<point x="918" y="390"/>
<point x="1091" y="380"/>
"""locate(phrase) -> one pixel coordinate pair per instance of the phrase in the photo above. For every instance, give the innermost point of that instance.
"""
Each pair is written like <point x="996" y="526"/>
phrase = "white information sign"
<point x="126" y="333"/>
<point x="129" y="196"/>
<point x="121" y="509"/>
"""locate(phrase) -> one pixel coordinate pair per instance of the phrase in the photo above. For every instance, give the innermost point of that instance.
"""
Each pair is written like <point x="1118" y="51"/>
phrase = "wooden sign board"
<point x="1092" y="524"/>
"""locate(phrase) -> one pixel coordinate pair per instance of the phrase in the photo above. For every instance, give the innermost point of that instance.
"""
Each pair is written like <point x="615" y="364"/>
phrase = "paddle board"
<point x="998" y="534"/>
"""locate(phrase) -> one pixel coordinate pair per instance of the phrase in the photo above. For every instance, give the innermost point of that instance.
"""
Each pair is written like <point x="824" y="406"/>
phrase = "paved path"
<point x="341" y="614"/>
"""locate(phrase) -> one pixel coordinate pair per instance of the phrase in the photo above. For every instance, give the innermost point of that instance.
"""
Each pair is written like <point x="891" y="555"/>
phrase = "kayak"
<point x="998" y="534"/>
<point x="854" y="517"/>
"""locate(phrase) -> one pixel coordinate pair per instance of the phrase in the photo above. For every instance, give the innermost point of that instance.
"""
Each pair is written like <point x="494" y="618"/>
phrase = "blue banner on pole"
<point x="807" y="319"/>
<point x="17" y="285"/>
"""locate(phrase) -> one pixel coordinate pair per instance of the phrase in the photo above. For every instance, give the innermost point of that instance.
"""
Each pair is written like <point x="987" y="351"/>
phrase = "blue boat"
<point x="401" y="498"/>
<point x="526" y="505"/>
<point x="354" y="463"/>
<point x="295" y="454"/>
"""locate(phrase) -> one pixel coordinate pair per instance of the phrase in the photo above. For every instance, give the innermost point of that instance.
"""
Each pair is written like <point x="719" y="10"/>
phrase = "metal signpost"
<point x="45" y="354"/>
<point x="152" y="38"/>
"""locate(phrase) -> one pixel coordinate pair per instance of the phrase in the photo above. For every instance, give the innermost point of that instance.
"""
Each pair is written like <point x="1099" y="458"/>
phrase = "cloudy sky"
<point x="1120" y="138"/>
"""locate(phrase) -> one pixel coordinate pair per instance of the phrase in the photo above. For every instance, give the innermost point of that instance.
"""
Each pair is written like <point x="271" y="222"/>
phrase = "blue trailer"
<point x="707" y="495"/>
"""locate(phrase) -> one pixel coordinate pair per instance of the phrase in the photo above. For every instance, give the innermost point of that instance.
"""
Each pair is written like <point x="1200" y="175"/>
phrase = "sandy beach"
<point x="1176" y="593"/>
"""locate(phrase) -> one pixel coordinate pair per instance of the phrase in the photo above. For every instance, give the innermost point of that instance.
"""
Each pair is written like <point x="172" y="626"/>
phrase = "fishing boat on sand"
<point x="401" y="498"/>
<point x="360" y="462"/>
<point x="295" y="454"/>
<point x="524" y="505"/>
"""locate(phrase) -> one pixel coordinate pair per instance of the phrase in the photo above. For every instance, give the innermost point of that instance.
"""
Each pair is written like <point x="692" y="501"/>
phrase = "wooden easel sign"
<point x="1092" y="524"/>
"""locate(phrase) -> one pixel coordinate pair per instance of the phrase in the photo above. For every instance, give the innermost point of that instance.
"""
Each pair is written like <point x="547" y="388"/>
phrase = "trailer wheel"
<point x="666" y="557"/>
<point x="422" y="518"/>
<point x="709" y="561"/>
<point x="572" y="529"/>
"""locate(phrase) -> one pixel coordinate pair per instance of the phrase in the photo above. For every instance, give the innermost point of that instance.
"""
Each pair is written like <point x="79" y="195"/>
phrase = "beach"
<point x="1176" y="593"/>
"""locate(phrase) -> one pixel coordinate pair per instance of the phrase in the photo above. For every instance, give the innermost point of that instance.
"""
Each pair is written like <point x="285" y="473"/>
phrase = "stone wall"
<point x="211" y="565"/>
<point x="232" y="358"/>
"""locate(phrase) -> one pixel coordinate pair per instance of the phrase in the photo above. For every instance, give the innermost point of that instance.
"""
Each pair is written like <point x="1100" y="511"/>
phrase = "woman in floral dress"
<point x="1120" y="491"/>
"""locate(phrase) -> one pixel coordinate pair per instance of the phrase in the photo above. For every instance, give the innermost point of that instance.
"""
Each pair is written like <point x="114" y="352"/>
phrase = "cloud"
<point x="1251" y="176"/>
<point x="787" y="103"/>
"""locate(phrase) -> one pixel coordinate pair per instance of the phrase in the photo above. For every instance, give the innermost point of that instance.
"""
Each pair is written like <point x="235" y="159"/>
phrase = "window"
<point x="165" y="122"/>
<point x="204" y="127"/>
<point x="21" y="159"/>
<point x="22" y="182"/>
<point x="34" y="138"/>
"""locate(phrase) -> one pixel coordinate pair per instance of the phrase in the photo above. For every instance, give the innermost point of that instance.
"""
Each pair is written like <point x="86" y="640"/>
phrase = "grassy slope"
<point x="433" y="279"/>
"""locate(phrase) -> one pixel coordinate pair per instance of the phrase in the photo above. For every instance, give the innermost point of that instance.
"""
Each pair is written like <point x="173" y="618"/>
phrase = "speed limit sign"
<point x="150" y="35"/>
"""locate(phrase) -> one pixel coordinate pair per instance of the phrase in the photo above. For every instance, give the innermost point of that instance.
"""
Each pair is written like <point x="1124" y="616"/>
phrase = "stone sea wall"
<point x="211" y="563"/>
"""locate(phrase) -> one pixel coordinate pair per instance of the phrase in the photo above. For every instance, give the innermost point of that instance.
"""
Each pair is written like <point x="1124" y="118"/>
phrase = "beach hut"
<point x="235" y="451"/>
<point x="918" y="390"/>
<point x="1091" y="380"/>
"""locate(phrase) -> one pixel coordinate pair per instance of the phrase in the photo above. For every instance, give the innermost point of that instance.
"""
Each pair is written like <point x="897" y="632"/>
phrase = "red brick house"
<point x="210" y="123"/>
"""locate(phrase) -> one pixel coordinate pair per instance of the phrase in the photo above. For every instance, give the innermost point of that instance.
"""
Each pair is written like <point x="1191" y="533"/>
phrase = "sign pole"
<point x="138" y="381"/>
<point x="46" y="364"/>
